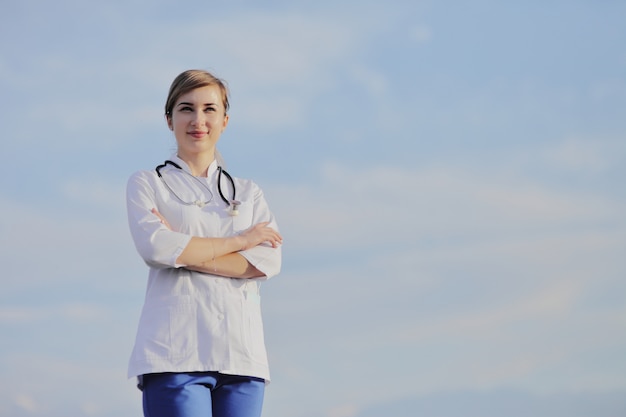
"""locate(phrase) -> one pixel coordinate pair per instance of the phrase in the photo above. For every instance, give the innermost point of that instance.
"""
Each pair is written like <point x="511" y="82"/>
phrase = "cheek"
<point x="177" y="125"/>
<point x="221" y="124"/>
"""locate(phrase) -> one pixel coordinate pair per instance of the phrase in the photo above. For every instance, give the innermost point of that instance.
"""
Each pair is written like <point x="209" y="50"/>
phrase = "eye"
<point x="185" y="109"/>
<point x="210" y="109"/>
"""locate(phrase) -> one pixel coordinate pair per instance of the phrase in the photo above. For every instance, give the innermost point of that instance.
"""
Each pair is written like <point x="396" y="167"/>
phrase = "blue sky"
<point x="448" y="177"/>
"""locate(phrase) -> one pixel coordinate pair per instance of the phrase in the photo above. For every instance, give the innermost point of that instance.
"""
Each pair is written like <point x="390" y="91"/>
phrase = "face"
<point x="198" y="119"/>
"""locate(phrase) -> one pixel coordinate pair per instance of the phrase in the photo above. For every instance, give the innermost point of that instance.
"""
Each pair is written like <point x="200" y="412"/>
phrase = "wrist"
<point x="242" y="243"/>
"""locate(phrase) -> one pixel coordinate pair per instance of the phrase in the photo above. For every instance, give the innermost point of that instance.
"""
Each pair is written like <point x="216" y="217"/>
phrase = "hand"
<point x="260" y="233"/>
<point x="163" y="219"/>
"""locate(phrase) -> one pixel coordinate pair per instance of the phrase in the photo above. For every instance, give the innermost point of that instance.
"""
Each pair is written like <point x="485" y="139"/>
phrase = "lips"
<point x="197" y="134"/>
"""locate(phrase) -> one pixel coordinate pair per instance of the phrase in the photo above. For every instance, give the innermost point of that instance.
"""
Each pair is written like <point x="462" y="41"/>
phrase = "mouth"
<point x="198" y="134"/>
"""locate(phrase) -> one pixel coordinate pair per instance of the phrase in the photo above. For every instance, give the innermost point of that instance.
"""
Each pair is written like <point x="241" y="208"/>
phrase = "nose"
<point x="199" y="119"/>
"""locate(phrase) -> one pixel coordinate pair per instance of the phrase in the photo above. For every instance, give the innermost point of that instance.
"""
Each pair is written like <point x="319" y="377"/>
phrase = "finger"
<point x="156" y="213"/>
<point x="161" y="218"/>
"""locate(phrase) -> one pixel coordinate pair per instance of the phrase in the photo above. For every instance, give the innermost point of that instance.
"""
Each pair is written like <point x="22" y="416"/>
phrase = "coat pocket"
<point x="252" y="328"/>
<point x="168" y="328"/>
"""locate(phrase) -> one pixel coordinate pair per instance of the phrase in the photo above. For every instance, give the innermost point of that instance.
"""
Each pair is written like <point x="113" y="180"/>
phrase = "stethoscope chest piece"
<point x="234" y="207"/>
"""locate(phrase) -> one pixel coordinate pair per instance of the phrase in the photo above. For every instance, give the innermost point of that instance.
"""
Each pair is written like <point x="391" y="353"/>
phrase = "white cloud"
<point x="585" y="155"/>
<point x="95" y="192"/>
<point x="19" y="315"/>
<point x="270" y="113"/>
<point x="27" y="403"/>
<point x="97" y="389"/>
<point x="420" y="33"/>
<point x="65" y="312"/>
<point x="374" y="82"/>
<point x="54" y="246"/>
<point x="276" y="64"/>
<point x="346" y="410"/>
<point x="472" y="273"/>
<point x="393" y="205"/>
<point x="463" y="279"/>
<point x="608" y="89"/>
<point x="554" y="301"/>
<point x="283" y="49"/>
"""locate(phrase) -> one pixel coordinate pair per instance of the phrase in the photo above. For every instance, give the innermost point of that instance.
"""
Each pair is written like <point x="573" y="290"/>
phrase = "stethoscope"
<point x="233" y="204"/>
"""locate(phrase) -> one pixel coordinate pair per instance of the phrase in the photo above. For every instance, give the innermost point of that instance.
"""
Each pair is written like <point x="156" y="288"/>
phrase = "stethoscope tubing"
<point x="221" y="171"/>
<point x="231" y="203"/>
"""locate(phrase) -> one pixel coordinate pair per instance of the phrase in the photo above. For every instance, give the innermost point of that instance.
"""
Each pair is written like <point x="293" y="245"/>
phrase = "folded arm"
<point x="219" y="256"/>
<point x="232" y="265"/>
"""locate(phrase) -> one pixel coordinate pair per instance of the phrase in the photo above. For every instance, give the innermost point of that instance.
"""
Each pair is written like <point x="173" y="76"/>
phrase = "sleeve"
<point x="157" y="245"/>
<point x="264" y="257"/>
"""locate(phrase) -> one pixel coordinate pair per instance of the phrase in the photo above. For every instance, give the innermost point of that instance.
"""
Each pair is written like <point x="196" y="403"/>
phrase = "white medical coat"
<point x="195" y="321"/>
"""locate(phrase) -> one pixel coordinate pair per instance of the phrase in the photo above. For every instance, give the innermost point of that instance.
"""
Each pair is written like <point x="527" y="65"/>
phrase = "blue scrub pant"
<point x="202" y="394"/>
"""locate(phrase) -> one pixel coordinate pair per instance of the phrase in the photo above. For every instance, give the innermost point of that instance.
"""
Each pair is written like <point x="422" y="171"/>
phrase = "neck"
<point x="198" y="163"/>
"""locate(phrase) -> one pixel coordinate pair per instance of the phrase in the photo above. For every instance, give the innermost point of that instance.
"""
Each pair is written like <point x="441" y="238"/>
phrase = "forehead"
<point x="211" y="94"/>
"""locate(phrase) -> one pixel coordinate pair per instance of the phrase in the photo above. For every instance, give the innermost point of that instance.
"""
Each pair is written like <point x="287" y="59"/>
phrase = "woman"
<point x="199" y="349"/>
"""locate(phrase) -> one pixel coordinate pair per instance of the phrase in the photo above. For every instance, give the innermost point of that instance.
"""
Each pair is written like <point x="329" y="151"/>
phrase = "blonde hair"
<point x="190" y="80"/>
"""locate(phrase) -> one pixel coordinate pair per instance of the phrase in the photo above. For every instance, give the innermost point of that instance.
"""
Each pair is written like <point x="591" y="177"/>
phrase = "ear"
<point x="168" y="119"/>
<point x="226" y="118"/>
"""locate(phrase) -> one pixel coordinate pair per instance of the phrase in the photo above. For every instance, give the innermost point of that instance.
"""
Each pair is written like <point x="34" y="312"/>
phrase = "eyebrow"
<point x="184" y="103"/>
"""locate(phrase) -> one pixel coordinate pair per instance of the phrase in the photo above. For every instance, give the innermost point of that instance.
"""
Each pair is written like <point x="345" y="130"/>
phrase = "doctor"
<point x="199" y="349"/>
